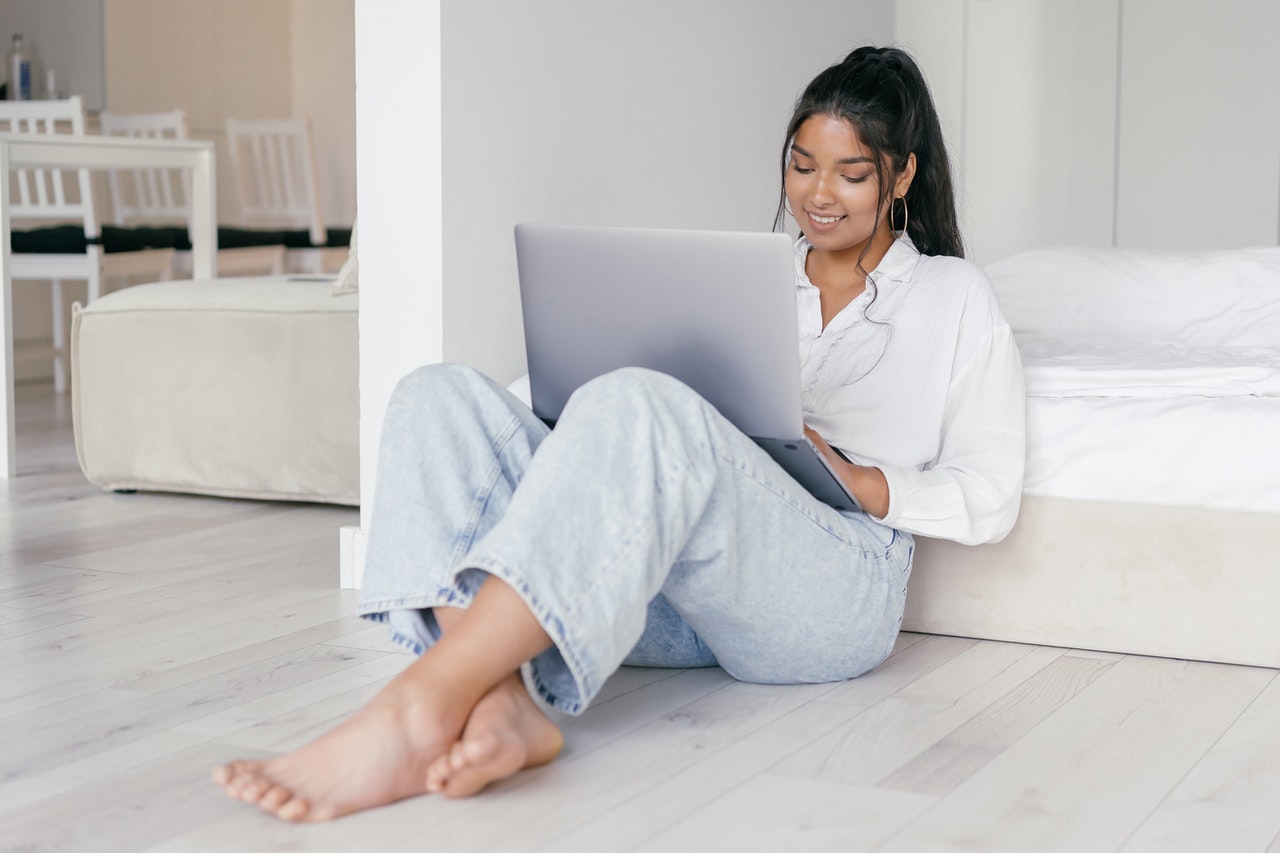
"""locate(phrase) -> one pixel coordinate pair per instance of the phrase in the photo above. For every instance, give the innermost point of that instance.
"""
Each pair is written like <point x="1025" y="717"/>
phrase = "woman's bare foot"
<point x="505" y="733"/>
<point x="386" y="752"/>
<point x="380" y="755"/>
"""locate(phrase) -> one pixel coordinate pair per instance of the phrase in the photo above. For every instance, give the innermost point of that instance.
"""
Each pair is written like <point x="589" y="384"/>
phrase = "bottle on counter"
<point x="19" y="71"/>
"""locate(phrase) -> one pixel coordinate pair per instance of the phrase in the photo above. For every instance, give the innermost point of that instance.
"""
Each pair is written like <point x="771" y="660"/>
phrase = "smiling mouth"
<point x="824" y="220"/>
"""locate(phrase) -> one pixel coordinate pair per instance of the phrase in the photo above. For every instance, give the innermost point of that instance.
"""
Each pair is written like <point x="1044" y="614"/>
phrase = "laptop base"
<point x="805" y="463"/>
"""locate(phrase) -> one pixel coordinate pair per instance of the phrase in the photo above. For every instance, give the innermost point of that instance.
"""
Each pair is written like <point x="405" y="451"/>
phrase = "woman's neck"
<point x="844" y="271"/>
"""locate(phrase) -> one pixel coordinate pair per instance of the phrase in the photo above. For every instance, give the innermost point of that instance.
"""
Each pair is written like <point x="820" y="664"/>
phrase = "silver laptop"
<point x="714" y="309"/>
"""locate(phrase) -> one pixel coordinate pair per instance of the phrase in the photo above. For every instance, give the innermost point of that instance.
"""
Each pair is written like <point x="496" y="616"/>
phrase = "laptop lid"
<point x="714" y="309"/>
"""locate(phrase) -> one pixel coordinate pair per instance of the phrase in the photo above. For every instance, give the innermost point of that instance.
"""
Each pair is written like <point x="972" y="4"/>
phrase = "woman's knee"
<point x="635" y="390"/>
<point x="432" y="387"/>
<point x="800" y="657"/>
<point x="432" y="380"/>
<point x="817" y="669"/>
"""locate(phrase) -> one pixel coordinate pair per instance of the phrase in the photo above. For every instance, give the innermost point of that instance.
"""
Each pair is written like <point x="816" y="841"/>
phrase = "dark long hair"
<point x="881" y="92"/>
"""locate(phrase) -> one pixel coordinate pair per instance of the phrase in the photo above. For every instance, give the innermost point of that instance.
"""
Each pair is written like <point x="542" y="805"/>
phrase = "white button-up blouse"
<point x="919" y="376"/>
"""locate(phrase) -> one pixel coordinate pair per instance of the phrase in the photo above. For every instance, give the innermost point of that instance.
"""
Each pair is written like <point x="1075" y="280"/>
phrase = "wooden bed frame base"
<point x="1178" y="582"/>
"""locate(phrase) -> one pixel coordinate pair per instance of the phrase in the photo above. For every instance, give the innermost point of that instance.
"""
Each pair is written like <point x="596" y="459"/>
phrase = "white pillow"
<point x="1205" y="299"/>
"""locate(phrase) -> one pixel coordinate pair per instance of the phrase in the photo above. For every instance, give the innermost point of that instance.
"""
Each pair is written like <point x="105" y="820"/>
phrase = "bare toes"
<point x="252" y="792"/>
<point x="438" y="774"/>
<point x="239" y="784"/>
<point x="295" y="808"/>
<point x="226" y="774"/>
<point x="275" y="797"/>
<point x="459" y="756"/>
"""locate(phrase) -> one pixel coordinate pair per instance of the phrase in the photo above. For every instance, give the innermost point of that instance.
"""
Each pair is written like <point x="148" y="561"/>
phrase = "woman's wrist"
<point x="870" y="487"/>
<point x="866" y="483"/>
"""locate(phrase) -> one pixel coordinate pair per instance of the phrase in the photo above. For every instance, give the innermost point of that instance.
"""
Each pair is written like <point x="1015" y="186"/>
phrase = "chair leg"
<point x="95" y="285"/>
<point x="59" y="340"/>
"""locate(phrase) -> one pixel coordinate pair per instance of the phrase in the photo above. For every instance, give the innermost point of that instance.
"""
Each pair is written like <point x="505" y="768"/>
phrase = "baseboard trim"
<point x="352" y="543"/>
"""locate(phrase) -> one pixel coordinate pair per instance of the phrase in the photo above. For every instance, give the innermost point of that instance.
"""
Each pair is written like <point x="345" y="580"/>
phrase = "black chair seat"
<point x="339" y="238"/>
<point x="70" y="239"/>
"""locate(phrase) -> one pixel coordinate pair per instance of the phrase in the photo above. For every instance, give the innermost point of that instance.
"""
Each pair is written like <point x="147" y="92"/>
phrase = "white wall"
<point x="662" y="113"/>
<point x="220" y="59"/>
<point x="1139" y="123"/>
<point x="656" y="113"/>
<point x="1200" y="99"/>
<point x="323" y="88"/>
<point x="934" y="33"/>
<point x="1039" y="150"/>
<point x="243" y="59"/>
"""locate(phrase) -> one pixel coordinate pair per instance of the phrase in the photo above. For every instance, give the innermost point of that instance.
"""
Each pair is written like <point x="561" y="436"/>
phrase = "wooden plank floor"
<point x="144" y="638"/>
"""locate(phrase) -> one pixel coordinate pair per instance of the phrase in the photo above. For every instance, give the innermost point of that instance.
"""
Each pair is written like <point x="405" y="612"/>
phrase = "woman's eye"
<point x="853" y="180"/>
<point x="804" y="170"/>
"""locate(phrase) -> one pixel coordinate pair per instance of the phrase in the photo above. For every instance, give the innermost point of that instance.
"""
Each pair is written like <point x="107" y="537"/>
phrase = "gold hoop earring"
<point x="905" y="216"/>
<point x="786" y="205"/>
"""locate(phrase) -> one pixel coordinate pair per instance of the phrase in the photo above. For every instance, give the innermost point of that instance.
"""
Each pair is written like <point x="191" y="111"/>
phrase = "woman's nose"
<point x="822" y="191"/>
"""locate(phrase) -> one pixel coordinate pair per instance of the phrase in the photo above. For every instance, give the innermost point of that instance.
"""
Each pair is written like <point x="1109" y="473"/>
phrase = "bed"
<point x="1150" y="520"/>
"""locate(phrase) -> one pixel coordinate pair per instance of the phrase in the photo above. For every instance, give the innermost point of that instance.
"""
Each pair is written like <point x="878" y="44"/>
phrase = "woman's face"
<point x="831" y="185"/>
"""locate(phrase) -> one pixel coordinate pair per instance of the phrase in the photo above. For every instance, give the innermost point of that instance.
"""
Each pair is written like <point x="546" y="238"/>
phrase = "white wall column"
<point x="398" y="101"/>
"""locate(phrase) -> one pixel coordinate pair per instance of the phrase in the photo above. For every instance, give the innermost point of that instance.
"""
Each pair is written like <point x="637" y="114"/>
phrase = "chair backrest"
<point x="49" y="195"/>
<point x="148" y="196"/>
<point x="273" y="166"/>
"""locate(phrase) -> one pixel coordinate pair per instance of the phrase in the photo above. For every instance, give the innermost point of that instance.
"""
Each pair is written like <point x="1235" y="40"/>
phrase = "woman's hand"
<point x="866" y="483"/>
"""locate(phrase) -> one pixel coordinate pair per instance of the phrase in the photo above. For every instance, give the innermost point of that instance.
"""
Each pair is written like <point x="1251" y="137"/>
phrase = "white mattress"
<point x="1153" y="423"/>
<point x="1219" y="452"/>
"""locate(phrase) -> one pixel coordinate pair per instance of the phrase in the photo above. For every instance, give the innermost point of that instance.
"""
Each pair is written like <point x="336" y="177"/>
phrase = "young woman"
<point x="526" y="565"/>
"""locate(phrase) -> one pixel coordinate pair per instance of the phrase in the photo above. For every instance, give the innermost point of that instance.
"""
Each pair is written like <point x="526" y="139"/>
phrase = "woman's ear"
<point x="908" y="172"/>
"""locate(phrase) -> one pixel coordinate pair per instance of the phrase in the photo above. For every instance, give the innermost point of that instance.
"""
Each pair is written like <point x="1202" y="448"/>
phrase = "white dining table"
<point x="64" y="151"/>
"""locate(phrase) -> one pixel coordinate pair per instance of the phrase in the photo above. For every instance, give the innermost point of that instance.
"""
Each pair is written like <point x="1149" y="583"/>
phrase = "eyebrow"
<point x="846" y="161"/>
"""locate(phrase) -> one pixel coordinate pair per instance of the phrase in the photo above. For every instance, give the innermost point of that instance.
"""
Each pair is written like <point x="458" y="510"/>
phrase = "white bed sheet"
<point x="1107" y="367"/>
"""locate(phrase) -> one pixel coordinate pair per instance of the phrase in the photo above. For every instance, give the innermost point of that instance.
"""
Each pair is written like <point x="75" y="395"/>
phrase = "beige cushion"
<point x="239" y="387"/>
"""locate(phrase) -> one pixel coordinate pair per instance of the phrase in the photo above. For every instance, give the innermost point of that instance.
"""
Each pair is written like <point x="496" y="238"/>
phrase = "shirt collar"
<point x="897" y="264"/>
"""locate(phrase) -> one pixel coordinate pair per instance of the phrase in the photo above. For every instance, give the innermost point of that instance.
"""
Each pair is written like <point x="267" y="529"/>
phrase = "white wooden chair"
<point x="44" y="197"/>
<point x="273" y="170"/>
<point x="161" y="197"/>
<point x="147" y="196"/>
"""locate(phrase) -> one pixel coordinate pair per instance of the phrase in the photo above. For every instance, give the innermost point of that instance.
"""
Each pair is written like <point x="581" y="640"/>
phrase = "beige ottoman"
<point x="243" y="387"/>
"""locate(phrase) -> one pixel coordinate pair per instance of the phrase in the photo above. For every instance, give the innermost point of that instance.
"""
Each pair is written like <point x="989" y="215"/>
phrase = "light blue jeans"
<point x="645" y="529"/>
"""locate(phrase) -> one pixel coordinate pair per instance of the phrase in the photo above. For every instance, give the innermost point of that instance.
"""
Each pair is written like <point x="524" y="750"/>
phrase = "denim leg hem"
<point x="557" y="678"/>
<point x="413" y="640"/>
<point x="405" y="618"/>
<point x="409" y="629"/>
